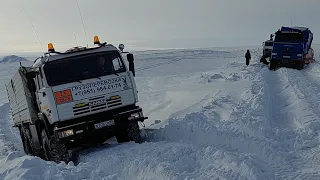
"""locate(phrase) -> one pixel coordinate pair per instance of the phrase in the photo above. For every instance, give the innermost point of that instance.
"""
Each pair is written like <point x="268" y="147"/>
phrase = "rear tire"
<point x="53" y="149"/>
<point x="26" y="140"/>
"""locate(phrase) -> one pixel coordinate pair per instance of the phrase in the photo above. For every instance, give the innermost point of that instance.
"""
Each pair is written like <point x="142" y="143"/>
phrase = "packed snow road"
<point x="210" y="117"/>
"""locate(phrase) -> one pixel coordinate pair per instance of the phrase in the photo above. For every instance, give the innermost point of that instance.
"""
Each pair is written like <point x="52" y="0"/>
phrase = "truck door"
<point x="42" y="93"/>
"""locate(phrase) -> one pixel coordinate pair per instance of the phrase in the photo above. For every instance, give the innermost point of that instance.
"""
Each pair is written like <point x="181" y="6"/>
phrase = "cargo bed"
<point x="20" y="98"/>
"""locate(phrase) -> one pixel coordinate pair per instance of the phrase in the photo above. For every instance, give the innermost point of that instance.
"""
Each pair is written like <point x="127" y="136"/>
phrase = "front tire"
<point x="53" y="149"/>
<point x="273" y="65"/>
<point x="129" y="133"/>
<point x="134" y="132"/>
<point x="301" y="65"/>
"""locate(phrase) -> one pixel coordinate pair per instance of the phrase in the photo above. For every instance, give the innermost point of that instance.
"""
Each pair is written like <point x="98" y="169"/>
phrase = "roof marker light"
<point x="50" y="47"/>
<point x="96" y="40"/>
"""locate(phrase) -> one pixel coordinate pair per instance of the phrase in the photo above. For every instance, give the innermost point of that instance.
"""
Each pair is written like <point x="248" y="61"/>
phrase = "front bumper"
<point x="102" y="123"/>
<point x="287" y="60"/>
<point x="291" y="61"/>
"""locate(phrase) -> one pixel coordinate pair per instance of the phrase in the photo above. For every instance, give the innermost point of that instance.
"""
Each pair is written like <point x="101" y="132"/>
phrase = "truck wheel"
<point x="272" y="65"/>
<point x="130" y="133"/>
<point x="300" y="66"/>
<point x="53" y="149"/>
<point x="122" y="136"/>
<point x="134" y="132"/>
<point x="26" y="140"/>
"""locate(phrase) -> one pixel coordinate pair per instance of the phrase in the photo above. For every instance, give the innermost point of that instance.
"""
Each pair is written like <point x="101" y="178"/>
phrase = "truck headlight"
<point x="66" y="133"/>
<point x="274" y="54"/>
<point x="299" y="55"/>
<point x="135" y="115"/>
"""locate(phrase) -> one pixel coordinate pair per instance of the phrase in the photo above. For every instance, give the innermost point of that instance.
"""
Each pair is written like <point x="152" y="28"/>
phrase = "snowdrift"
<point x="210" y="117"/>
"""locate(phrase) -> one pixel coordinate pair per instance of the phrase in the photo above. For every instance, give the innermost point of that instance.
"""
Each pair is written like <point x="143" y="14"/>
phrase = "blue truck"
<point x="291" y="48"/>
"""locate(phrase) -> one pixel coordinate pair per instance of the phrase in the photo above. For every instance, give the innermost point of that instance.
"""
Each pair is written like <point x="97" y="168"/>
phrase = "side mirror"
<point x="130" y="59"/>
<point x="121" y="47"/>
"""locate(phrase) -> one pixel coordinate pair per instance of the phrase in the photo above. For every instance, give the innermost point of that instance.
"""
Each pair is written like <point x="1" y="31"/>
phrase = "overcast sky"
<point x="149" y="23"/>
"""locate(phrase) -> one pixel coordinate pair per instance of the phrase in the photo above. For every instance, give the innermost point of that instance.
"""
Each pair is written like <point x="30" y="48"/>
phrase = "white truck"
<point x="267" y="48"/>
<point x="81" y="96"/>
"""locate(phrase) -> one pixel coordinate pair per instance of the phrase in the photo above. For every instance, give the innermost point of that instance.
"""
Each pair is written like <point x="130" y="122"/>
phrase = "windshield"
<point x="288" y="37"/>
<point x="83" y="67"/>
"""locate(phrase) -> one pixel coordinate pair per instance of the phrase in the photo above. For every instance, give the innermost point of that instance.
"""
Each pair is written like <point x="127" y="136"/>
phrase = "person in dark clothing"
<point x="248" y="57"/>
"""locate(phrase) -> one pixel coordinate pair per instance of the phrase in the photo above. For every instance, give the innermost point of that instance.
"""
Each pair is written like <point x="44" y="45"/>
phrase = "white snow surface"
<point x="210" y="117"/>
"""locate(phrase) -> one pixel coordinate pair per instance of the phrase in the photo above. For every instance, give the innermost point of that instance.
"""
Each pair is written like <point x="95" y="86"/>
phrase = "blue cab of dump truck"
<point x="290" y="47"/>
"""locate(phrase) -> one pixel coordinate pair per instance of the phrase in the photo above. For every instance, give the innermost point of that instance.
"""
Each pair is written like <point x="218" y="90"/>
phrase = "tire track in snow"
<point x="294" y="123"/>
<point x="306" y="90"/>
<point x="283" y="126"/>
<point x="275" y="133"/>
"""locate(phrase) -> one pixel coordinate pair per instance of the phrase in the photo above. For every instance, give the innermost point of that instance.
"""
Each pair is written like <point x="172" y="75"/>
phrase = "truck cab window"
<point x="117" y="64"/>
<point x="87" y="67"/>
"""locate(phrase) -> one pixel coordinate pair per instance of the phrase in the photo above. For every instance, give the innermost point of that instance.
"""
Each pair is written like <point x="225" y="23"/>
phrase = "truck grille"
<point x="114" y="102"/>
<point x="81" y="110"/>
<point x="96" y="104"/>
<point x="287" y="50"/>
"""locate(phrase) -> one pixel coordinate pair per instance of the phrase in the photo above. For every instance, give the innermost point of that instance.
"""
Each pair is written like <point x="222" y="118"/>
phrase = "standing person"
<point x="248" y="57"/>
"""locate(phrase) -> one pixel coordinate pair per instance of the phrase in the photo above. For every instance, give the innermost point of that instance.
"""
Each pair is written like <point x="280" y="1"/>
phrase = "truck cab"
<point x="81" y="96"/>
<point x="290" y="47"/>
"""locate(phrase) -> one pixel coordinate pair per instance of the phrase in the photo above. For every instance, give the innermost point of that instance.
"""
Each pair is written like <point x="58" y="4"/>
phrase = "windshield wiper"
<point x="70" y="80"/>
<point x="91" y="75"/>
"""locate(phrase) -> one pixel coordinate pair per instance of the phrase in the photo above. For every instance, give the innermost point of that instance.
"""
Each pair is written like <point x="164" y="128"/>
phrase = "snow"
<point x="12" y="58"/>
<point x="210" y="117"/>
